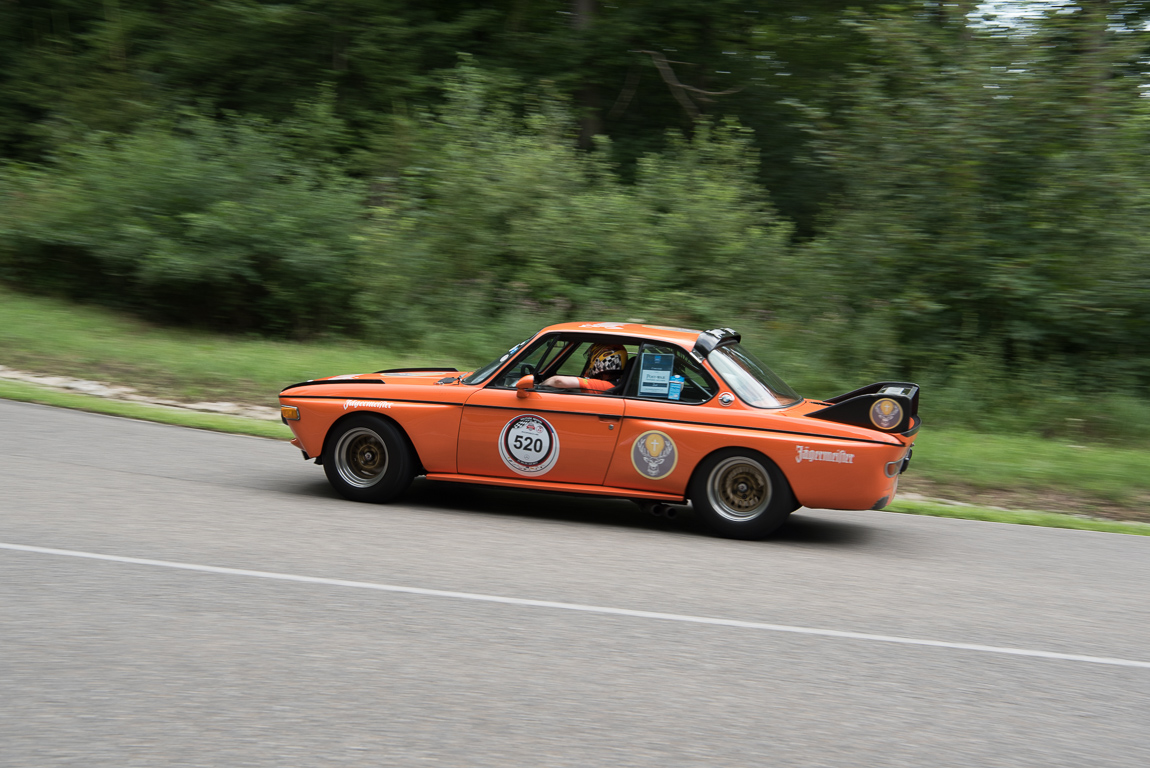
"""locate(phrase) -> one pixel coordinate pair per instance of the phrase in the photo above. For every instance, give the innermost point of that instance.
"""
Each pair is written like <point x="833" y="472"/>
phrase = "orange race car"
<point x="655" y="414"/>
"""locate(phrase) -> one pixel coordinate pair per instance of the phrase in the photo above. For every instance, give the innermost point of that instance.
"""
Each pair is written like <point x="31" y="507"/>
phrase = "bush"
<point x="198" y="221"/>
<point x="503" y="218"/>
<point x="994" y="204"/>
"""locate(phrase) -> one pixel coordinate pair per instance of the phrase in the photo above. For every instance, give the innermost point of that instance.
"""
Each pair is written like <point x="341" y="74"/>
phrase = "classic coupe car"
<point x="655" y="414"/>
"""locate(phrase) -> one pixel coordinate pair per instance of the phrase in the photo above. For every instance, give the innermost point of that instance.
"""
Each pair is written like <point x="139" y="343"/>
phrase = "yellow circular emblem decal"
<point x="654" y="454"/>
<point x="886" y="413"/>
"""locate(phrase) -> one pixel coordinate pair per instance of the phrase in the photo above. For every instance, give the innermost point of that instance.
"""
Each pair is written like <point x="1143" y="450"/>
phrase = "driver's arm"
<point x="562" y="382"/>
<point x="576" y="382"/>
<point x="595" y="385"/>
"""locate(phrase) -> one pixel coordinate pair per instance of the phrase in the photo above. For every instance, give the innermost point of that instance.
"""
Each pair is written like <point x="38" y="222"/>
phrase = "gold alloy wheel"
<point x="739" y="489"/>
<point x="361" y="457"/>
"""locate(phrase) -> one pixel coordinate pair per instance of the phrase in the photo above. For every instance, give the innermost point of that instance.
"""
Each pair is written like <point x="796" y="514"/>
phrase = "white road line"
<point x="584" y="608"/>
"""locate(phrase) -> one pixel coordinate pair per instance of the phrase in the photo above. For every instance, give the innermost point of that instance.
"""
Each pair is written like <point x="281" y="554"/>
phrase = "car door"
<point x="665" y="432"/>
<point x="550" y="436"/>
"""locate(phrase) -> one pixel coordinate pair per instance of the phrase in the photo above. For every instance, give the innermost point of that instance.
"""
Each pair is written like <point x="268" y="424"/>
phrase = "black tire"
<point x="366" y="458"/>
<point x="740" y="494"/>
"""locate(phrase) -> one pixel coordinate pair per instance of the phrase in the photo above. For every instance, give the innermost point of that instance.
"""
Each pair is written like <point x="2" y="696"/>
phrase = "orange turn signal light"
<point x="290" y="412"/>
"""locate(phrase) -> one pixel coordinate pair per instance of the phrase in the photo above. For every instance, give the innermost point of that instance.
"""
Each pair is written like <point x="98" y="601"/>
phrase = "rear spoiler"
<point x="888" y="406"/>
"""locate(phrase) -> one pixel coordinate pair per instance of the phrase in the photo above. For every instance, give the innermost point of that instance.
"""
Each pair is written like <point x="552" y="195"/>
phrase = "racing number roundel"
<point x="529" y="446"/>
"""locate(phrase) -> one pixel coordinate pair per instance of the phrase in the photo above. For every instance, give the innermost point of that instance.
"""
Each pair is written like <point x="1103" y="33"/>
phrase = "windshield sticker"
<point x="529" y="446"/>
<point x="655" y="374"/>
<point x="810" y="454"/>
<point x="366" y="404"/>
<point x="885" y="413"/>
<point x="654" y="454"/>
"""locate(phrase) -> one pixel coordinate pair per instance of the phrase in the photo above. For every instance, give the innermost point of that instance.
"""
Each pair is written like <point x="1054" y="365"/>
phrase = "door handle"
<point x="609" y="418"/>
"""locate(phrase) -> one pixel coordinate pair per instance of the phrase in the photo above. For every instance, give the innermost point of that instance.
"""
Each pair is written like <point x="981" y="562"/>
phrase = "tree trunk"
<point x="590" y="106"/>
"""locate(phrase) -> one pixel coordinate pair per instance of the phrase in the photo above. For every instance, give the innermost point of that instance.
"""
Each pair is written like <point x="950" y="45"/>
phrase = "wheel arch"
<point x="399" y="427"/>
<point x="703" y="460"/>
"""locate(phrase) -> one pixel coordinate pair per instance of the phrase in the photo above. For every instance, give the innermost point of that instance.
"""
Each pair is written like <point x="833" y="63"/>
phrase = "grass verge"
<point x="1018" y="517"/>
<point x="1023" y="471"/>
<point x="29" y="393"/>
<point x="50" y="336"/>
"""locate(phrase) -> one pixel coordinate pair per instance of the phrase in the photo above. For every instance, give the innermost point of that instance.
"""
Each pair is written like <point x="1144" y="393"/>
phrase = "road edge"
<point x="180" y="417"/>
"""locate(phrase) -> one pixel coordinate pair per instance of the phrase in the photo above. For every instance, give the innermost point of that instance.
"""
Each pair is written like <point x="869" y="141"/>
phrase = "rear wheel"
<point x="367" y="459"/>
<point x="740" y="494"/>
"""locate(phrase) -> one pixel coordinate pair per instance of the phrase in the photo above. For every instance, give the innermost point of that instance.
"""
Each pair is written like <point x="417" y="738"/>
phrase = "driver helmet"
<point x="605" y="359"/>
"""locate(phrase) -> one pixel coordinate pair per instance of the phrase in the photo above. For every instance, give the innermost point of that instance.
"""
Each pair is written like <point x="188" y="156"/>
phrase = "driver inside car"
<point x="603" y="372"/>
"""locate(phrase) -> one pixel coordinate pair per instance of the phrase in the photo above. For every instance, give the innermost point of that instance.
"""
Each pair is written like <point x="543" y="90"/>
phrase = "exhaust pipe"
<point x="656" y="509"/>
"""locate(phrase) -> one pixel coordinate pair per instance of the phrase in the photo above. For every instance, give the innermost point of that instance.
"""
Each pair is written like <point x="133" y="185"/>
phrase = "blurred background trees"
<point x="911" y="189"/>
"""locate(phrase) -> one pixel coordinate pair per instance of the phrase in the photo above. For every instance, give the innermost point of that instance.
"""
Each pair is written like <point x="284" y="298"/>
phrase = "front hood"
<point x="407" y="377"/>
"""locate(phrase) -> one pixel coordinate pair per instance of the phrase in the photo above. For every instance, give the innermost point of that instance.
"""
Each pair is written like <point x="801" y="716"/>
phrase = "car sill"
<point x="539" y="485"/>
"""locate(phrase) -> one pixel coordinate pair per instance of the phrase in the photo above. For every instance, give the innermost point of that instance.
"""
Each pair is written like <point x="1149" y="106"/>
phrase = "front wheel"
<point x="740" y="494"/>
<point x="367" y="459"/>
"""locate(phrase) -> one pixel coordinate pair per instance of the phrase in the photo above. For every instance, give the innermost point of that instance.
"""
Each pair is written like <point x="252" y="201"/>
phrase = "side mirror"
<point x="525" y="385"/>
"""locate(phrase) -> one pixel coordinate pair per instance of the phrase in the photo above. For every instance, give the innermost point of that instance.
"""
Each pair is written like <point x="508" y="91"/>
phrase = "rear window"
<point x="753" y="382"/>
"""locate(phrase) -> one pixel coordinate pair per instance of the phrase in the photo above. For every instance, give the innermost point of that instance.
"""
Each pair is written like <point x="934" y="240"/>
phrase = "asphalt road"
<point x="123" y="663"/>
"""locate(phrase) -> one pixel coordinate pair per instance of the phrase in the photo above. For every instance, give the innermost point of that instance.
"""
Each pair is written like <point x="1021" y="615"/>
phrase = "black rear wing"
<point x="888" y="406"/>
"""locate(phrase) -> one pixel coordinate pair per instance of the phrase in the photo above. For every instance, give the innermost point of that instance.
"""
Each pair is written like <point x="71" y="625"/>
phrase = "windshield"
<point x="753" y="382"/>
<point x="481" y="374"/>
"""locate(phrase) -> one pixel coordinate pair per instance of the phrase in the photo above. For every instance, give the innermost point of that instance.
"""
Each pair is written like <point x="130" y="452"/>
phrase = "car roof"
<point x="684" y="337"/>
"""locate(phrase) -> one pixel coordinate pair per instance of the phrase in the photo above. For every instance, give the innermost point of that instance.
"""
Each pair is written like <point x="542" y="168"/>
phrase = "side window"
<point x="576" y="361"/>
<point x="533" y="362"/>
<point x="668" y="374"/>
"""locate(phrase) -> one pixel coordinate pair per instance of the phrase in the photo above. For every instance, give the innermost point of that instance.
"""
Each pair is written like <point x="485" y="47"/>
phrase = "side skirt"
<point x="538" y="485"/>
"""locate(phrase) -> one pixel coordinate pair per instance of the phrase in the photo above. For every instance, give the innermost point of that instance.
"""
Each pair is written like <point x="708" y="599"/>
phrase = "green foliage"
<point x="202" y="221"/>
<point x="67" y="66"/>
<point x="995" y="203"/>
<point x="503" y="217"/>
